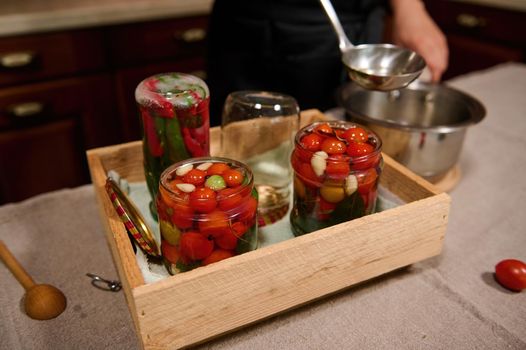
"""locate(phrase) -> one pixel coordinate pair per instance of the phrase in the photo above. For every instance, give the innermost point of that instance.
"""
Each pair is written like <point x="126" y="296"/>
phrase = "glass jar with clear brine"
<point x="337" y="165"/>
<point x="207" y="211"/>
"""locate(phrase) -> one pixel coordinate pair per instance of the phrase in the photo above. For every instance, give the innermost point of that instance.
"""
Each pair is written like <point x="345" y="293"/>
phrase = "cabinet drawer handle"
<point x="191" y="35"/>
<point x="470" y="21"/>
<point x="17" y="59"/>
<point x="26" y="109"/>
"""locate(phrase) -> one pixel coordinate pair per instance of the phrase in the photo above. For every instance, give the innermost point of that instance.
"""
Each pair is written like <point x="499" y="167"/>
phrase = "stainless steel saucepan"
<point x="422" y="126"/>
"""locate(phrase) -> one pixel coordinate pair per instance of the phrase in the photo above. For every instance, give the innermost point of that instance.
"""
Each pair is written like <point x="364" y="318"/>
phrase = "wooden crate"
<point x="198" y="305"/>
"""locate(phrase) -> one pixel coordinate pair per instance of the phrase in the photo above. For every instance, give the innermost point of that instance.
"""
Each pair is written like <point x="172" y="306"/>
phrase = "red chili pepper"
<point x="193" y="146"/>
<point x="195" y="107"/>
<point x="151" y="84"/>
<point x="154" y="144"/>
<point x="201" y="134"/>
<point x="164" y="108"/>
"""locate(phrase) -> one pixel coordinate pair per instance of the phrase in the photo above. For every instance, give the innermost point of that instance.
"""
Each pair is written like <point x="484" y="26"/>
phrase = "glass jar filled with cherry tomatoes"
<point x="207" y="211"/>
<point x="336" y="165"/>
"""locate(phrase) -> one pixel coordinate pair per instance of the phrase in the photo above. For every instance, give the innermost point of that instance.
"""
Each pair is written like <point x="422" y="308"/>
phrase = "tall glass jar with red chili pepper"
<point x="337" y="165"/>
<point x="174" y="109"/>
<point x="207" y="211"/>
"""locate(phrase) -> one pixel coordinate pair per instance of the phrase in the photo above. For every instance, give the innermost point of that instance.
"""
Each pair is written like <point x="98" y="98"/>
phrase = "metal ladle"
<point x="381" y="67"/>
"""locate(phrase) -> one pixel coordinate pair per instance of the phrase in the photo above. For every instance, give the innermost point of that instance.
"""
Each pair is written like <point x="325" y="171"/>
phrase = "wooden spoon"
<point x="42" y="301"/>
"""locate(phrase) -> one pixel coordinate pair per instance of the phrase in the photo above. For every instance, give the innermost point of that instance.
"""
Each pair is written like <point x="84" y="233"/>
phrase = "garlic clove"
<point x="204" y="166"/>
<point x="184" y="169"/>
<point x="186" y="188"/>
<point x="319" y="162"/>
<point x="351" y="184"/>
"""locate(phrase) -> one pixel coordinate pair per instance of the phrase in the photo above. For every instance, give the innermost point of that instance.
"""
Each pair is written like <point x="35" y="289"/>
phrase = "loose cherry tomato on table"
<point x="511" y="274"/>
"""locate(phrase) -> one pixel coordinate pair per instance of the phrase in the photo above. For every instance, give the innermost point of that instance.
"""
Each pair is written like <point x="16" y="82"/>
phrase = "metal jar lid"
<point x="132" y="219"/>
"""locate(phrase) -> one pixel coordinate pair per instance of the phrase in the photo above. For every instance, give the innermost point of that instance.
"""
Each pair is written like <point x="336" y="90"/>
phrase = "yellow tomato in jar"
<point x="299" y="187"/>
<point x="170" y="233"/>
<point x="332" y="191"/>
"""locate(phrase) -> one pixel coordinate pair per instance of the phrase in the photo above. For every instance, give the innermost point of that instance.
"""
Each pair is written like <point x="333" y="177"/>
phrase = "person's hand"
<point x="414" y="29"/>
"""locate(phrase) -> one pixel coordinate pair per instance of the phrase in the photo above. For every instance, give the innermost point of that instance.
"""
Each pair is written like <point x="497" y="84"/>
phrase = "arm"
<point x="413" y="28"/>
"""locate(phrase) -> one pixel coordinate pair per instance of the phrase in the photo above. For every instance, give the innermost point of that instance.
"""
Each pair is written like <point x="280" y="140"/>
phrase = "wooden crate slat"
<point x="195" y="306"/>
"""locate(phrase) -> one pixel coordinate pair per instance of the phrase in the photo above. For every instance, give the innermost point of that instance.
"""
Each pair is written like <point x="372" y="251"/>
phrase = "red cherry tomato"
<point x="229" y="198"/>
<point x="195" y="245"/>
<point x="182" y="215"/>
<point x="332" y="145"/>
<point x="356" y="134"/>
<point x="169" y="251"/>
<point x="214" y="224"/>
<point x="248" y="210"/>
<point x="195" y="177"/>
<point x="171" y="198"/>
<point x="300" y="154"/>
<point x="233" y="177"/>
<point x="356" y="149"/>
<point x="239" y="229"/>
<point x="311" y="142"/>
<point x="511" y="274"/>
<point x="203" y="200"/>
<point x="366" y="181"/>
<point x="324" y="209"/>
<point x="324" y="130"/>
<point x="217" y="255"/>
<point x="227" y="240"/>
<point x="337" y="167"/>
<point x="172" y="185"/>
<point x="307" y="175"/>
<point x="217" y="169"/>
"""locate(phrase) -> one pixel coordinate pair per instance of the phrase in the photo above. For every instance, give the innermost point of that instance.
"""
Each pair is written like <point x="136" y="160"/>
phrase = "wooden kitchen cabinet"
<point x="144" y="49"/>
<point x="479" y="36"/>
<point x="62" y="93"/>
<point x="45" y="130"/>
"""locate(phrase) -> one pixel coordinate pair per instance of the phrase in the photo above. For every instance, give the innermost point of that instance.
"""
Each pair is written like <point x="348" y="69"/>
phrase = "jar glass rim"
<point x="346" y="125"/>
<point x="166" y="174"/>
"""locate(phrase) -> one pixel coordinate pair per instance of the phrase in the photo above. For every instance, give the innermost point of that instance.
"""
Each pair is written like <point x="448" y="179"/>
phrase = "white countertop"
<point x="32" y="16"/>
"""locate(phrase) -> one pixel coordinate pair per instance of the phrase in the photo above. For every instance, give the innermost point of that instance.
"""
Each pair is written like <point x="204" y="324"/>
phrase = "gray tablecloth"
<point x="448" y="302"/>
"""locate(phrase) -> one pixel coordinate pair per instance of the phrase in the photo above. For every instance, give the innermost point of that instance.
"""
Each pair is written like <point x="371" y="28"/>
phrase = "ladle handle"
<point x="14" y="266"/>
<point x="343" y="41"/>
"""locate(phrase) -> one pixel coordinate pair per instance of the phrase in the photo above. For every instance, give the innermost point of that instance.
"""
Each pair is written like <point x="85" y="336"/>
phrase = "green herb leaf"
<point x="187" y="267"/>
<point x="174" y="139"/>
<point x="351" y="207"/>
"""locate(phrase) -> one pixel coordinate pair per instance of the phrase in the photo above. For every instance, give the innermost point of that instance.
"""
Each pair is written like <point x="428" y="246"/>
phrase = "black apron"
<point x="286" y="46"/>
